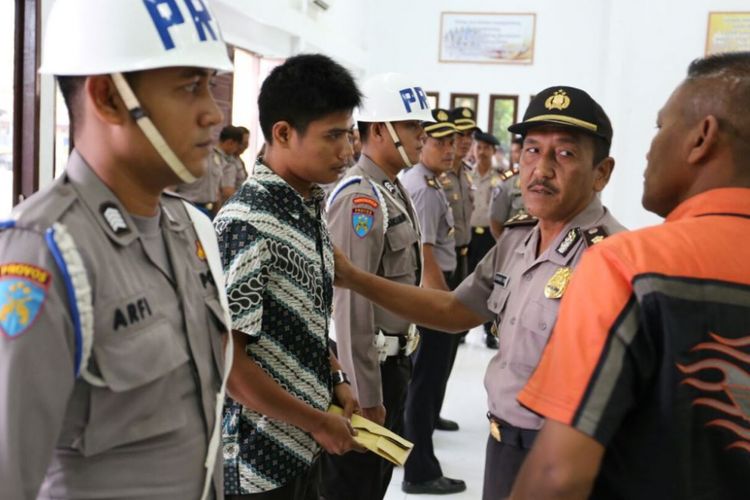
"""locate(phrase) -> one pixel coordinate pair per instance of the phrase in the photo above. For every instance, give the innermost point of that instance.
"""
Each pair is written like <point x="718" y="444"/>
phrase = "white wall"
<point x="628" y="55"/>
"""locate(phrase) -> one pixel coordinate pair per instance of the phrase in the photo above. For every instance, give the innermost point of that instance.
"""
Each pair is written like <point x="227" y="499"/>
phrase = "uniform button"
<point x="543" y="325"/>
<point x="528" y="276"/>
<point x="503" y="364"/>
<point x="513" y="321"/>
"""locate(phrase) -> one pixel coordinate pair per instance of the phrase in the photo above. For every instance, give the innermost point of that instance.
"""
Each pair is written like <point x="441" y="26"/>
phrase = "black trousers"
<point x="503" y="460"/>
<point x="304" y="487"/>
<point x="453" y="280"/>
<point x="431" y="367"/>
<point x="479" y="246"/>
<point x="366" y="476"/>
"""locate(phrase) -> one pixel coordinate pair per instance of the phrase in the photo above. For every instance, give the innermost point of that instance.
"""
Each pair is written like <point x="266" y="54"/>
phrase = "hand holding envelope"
<point x="378" y="439"/>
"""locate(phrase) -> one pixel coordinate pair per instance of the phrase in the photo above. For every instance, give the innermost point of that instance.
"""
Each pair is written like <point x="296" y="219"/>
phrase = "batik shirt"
<point x="278" y="263"/>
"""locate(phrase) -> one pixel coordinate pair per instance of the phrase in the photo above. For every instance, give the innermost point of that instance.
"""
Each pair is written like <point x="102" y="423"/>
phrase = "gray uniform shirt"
<point x="506" y="200"/>
<point x="460" y="194"/>
<point x="206" y="188"/>
<point x="483" y="189"/>
<point x="156" y="345"/>
<point x="434" y="214"/>
<point x="233" y="172"/>
<point x="378" y="232"/>
<point x="508" y="286"/>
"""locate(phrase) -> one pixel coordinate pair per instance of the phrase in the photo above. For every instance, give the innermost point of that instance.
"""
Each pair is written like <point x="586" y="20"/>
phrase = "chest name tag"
<point x="501" y="280"/>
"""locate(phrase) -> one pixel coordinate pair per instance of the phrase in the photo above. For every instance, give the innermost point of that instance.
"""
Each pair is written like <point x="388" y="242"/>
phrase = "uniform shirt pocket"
<point x="399" y="258"/>
<point x="147" y="375"/>
<point x="537" y="320"/>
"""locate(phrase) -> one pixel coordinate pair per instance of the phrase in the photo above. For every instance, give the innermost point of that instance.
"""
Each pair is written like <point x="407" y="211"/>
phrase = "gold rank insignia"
<point x="456" y="196"/>
<point x="557" y="284"/>
<point x="520" y="219"/>
<point x="558" y="100"/>
<point x="432" y="182"/>
<point x="442" y="116"/>
<point x="199" y="251"/>
<point x="594" y="235"/>
<point x="479" y="230"/>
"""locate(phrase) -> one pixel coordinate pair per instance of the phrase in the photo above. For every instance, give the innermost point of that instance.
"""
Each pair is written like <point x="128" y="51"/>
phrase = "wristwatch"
<point x="339" y="377"/>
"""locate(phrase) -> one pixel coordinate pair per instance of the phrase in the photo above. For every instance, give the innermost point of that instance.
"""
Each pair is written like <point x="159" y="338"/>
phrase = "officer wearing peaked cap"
<point x="432" y="359"/>
<point x="486" y="179"/>
<point x="372" y="221"/>
<point x="111" y="293"/>
<point x="564" y="166"/>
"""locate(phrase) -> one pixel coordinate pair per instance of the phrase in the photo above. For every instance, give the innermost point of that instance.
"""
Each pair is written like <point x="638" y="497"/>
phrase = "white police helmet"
<point x="393" y="97"/>
<point x="97" y="37"/>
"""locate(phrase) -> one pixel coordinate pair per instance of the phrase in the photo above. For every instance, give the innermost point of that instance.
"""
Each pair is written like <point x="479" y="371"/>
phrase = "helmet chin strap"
<point x="397" y="143"/>
<point x="148" y="128"/>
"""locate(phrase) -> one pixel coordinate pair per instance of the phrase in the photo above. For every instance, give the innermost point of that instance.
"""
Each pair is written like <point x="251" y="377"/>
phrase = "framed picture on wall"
<point x="503" y="114"/>
<point x="433" y="98"/>
<point x="487" y="37"/>
<point x="728" y="32"/>
<point x="464" y="101"/>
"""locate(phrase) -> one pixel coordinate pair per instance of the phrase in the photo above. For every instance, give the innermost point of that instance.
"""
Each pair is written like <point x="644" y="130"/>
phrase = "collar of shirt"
<point x="109" y="213"/>
<point x="373" y="170"/>
<point x="715" y="201"/>
<point x="266" y="177"/>
<point x="590" y="215"/>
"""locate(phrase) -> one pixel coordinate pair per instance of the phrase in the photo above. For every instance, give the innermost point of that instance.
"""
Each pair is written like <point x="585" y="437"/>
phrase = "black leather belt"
<point x="502" y="432"/>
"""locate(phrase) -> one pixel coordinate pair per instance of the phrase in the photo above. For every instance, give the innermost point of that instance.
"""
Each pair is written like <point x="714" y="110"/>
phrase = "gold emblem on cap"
<point x="557" y="284"/>
<point x="558" y="100"/>
<point x="466" y="113"/>
<point x="442" y="116"/>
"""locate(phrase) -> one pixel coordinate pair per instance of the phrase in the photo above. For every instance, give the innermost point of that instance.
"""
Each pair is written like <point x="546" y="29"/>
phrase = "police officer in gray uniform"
<point x="112" y="324"/>
<point x="204" y="191"/>
<point x="507" y="201"/>
<point x="564" y="166"/>
<point x="486" y="179"/>
<point x="371" y="219"/>
<point x="432" y="360"/>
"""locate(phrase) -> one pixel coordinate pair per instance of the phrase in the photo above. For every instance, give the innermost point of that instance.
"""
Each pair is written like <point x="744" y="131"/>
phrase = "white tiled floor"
<point x="461" y="453"/>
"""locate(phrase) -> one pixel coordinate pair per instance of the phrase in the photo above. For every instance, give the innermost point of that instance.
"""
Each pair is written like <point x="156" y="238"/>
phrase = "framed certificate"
<point x="467" y="37"/>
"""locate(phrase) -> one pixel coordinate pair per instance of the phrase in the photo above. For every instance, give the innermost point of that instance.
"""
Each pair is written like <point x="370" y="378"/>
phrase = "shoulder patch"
<point x="362" y="221"/>
<point x="520" y="219"/>
<point x="7" y="224"/>
<point x="23" y="290"/>
<point x="364" y="200"/>
<point x="594" y="235"/>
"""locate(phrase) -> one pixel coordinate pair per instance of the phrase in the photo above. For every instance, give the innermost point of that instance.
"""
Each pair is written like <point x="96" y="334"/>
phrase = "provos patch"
<point x="23" y="290"/>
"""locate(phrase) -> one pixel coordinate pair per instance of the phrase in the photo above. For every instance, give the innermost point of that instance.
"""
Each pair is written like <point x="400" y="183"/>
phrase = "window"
<point x="7" y="32"/>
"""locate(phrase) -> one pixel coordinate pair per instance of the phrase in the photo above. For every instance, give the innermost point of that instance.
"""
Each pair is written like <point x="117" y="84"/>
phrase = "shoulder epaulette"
<point x="433" y="182"/>
<point x="509" y="173"/>
<point x="520" y="219"/>
<point x="594" y="235"/>
<point x="346" y="182"/>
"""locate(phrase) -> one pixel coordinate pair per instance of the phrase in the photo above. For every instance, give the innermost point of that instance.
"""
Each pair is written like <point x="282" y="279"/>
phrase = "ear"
<point x="377" y="131"/>
<point x="702" y="139"/>
<point x="602" y="173"/>
<point x="104" y="100"/>
<point x="282" y="133"/>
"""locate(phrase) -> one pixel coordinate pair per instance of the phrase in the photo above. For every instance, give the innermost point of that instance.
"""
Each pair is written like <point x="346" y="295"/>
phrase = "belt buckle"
<point x="479" y="230"/>
<point x="495" y="431"/>
<point x="412" y="340"/>
<point x="209" y="206"/>
<point x="464" y="251"/>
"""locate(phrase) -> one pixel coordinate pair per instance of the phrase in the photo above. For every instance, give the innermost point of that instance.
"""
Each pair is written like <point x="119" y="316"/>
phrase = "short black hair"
<point x="71" y="88"/>
<point x="305" y="88"/>
<point x="231" y="133"/>
<point x="364" y="131"/>
<point x="244" y="130"/>
<point x="720" y="86"/>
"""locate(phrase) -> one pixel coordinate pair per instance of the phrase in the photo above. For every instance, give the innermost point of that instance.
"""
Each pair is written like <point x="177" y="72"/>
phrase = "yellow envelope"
<point x="378" y="439"/>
